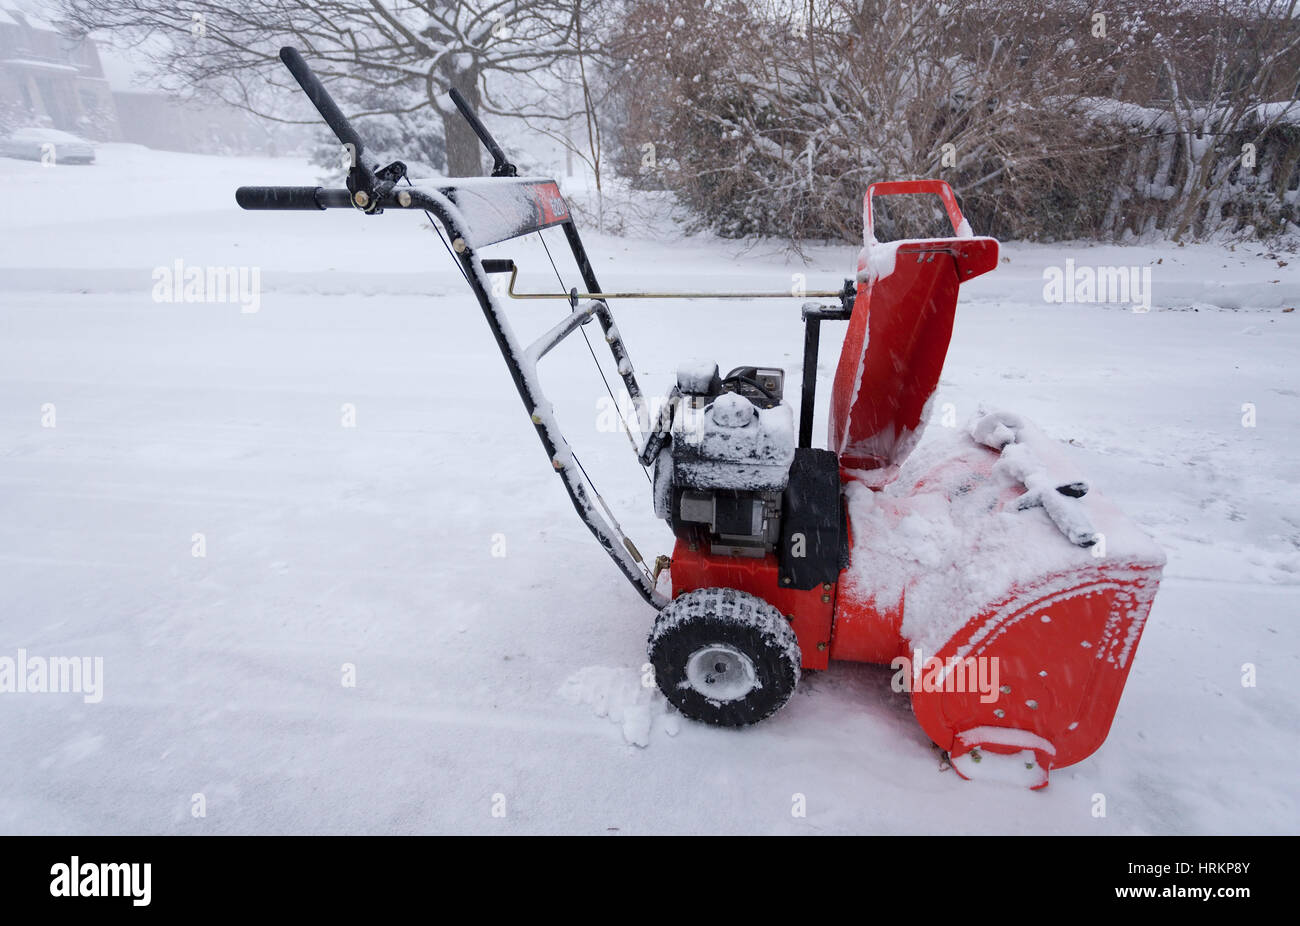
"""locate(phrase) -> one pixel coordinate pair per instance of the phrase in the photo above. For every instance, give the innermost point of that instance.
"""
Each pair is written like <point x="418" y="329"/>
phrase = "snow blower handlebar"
<point x="369" y="187"/>
<point x="475" y="213"/>
<point x="361" y="183"/>
<point x="291" y="197"/>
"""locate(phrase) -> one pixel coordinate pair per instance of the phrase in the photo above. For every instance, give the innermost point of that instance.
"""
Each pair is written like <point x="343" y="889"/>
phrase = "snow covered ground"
<point x="486" y="684"/>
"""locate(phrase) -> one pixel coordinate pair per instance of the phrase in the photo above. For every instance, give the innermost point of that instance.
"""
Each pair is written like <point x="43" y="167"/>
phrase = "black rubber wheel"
<point x="724" y="657"/>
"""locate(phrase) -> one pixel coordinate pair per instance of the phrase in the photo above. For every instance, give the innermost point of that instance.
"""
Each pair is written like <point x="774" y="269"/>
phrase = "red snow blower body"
<point x="1008" y="597"/>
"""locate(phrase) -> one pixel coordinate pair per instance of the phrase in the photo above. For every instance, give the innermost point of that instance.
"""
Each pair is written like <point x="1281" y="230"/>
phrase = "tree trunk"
<point x="464" y="151"/>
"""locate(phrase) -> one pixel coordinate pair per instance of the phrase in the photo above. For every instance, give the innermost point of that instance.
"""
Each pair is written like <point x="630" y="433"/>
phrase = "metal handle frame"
<point x="374" y="194"/>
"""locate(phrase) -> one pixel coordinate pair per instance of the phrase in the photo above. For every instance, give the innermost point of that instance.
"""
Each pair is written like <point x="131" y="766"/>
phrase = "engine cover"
<point x="720" y="478"/>
<point x="730" y="443"/>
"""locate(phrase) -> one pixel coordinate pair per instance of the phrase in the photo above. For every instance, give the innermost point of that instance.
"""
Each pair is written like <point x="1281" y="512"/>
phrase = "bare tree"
<point x="404" y="52"/>
<point x="583" y="74"/>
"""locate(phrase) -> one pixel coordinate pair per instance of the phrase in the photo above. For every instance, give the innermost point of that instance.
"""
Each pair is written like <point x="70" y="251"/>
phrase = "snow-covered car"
<point x="38" y="144"/>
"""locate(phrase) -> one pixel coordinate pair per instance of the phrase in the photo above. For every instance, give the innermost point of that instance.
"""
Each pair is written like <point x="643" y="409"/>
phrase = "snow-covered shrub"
<point x="772" y="120"/>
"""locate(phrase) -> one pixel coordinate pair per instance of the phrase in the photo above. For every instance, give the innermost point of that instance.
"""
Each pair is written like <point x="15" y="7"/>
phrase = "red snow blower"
<point x="1008" y="596"/>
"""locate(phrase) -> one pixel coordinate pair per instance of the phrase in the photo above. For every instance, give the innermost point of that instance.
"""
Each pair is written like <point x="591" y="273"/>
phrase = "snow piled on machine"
<point x="956" y="532"/>
<point x="732" y="444"/>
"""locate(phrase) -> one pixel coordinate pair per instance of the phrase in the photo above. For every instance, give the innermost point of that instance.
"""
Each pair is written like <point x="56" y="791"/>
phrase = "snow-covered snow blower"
<point x="1008" y="596"/>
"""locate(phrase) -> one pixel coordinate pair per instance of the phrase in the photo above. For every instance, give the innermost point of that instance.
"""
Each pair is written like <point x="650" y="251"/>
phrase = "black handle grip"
<point x="501" y="165"/>
<point x="291" y="197"/>
<point x="329" y="110"/>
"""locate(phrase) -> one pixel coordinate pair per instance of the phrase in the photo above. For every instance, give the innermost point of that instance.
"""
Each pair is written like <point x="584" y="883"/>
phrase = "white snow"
<point x="491" y="211"/>
<point x="946" y="539"/>
<point x="732" y="444"/>
<point x="877" y="260"/>
<point x="1004" y="736"/>
<point x="624" y="696"/>
<point x="373" y="546"/>
<point x="696" y="375"/>
<point x="1020" y="460"/>
<point x="1020" y="768"/>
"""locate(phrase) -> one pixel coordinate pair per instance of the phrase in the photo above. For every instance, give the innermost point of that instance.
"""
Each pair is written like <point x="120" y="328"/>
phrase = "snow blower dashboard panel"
<point x="497" y="210"/>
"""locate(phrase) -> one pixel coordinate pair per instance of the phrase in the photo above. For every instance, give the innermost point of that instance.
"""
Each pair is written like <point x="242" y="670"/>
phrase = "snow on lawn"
<point x="511" y="682"/>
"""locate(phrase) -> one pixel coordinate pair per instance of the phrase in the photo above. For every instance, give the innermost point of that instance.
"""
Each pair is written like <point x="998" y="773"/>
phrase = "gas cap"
<point x="733" y="411"/>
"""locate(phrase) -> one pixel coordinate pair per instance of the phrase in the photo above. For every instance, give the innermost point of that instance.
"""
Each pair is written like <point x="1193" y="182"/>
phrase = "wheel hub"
<point x="721" y="672"/>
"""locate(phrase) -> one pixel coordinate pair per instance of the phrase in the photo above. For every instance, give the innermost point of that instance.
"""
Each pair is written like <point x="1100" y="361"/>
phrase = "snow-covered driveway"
<point x="197" y="427"/>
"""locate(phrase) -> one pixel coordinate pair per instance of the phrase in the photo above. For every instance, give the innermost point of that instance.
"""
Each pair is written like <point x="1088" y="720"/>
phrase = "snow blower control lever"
<point x="361" y="178"/>
<point x="1012" y="590"/>
<point x="501" y="166"/>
